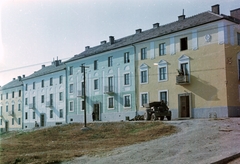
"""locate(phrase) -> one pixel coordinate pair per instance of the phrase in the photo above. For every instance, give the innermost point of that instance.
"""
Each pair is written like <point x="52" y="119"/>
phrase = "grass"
<point x="62" y="143"/>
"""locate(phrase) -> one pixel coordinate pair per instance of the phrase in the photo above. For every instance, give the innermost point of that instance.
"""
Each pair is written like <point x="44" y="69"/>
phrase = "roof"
<point x="190" y="22"/>
<point x="12" y="84"/>
<point x="47" y="70"/>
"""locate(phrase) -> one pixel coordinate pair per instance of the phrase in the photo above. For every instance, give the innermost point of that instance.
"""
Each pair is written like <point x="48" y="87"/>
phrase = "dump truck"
<point x="157" y="110"/>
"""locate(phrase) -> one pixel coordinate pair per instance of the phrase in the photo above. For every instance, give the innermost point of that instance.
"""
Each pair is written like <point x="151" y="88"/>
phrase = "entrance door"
<point x="96" y="110"/>
<point x="42" y="120"/>
<point x="6" y="126"/>
<point x="184" y="103"/>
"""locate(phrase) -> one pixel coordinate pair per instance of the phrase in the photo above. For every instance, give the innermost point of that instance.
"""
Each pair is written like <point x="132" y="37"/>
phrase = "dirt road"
<point x="200" y="141"/>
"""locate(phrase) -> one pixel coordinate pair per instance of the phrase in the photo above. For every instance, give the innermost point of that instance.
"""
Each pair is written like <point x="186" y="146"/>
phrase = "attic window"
<point x="183" y="44"/>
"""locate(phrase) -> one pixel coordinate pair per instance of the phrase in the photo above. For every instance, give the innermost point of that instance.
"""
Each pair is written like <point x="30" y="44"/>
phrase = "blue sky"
<point x="38" y="31"/>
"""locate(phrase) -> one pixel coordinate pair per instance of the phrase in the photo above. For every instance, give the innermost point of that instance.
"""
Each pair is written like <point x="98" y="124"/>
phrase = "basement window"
<point x="183" y="44"/>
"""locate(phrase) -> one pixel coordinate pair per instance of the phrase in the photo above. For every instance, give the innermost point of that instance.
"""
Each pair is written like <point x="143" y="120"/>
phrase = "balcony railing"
<point x="11" y="113"/>
<point x="32" y="106"/>
<point x="108" y="89"/>
<point x="49" y="103"/>
<point x="80" y="93"/>
<point x="182" y="79"/>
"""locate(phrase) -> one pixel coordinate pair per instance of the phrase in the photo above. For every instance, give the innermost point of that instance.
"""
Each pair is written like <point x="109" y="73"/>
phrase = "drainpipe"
<point x="135" y="79"/>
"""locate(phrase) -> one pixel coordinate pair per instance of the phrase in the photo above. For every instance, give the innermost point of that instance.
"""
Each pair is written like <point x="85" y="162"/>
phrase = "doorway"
<point x="6" y="126"/>
<point x="96" y="110"/>
<point x="184" y="105"/>
<point x="42" y="120"/>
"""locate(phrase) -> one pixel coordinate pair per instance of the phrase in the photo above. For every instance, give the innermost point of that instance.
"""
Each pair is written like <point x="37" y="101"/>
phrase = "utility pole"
<point x="84" y="96"/>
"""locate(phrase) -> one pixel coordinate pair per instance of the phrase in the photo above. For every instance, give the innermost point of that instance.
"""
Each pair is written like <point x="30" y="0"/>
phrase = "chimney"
<point x="138" y="31"/>
<point x="235" y="13"/>
<point x="23" y="76"/>
<point x="103" y="42"/>
<point x="87" y="47"/>
<point x="181" y="17"/>
<point x="155" y="25"/>
<point x="43" y="66"/>
<point x="111" y="40"/>
<point x="13" y="79"/>
<point x="19" y="78"/>
<point x="215" y="9"/>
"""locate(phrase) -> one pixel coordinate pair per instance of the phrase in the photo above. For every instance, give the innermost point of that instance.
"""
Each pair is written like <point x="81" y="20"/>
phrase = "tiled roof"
<point x="46" y="70"/>
<point x="190" y="22"/>
<point x="12" y="84"/>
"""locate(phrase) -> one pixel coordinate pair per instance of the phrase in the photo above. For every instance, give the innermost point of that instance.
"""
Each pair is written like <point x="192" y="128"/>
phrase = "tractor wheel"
<point x="161" y="117"/>
<point x="153" y="117"/>
<point x="168" y="118"/>
<point x="146" y="116"/>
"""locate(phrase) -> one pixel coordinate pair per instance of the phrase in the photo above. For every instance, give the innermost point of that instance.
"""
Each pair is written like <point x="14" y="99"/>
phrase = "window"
<point x="42" y="99"/>
<point x="70" y="70"/>
<point x="51" y="81"/>
<point x="95" y="84"/>
<point x="126" y="102"/>
<point x="143" y="53"/>
<point x="34" y="115"/>
<point x="110" y="102"/>
<point x="126" y="79"/>
<point x="144" y="76"/>
<point x="183" y="44"/>
<point x="60" y="79"/>
<point x="83" y="105"/>
<point x="1" y="111"/>
<point x="12" y="121"/>
<point x="162" y="73"/>
<point x="60" y="96"/>
<point x="51" y="99"/>
<point x="6" y="95"/>
<point x="12" y="109"/>
<point x="19" y="93"/>
<point x="0" y="121"/>
<point x="34" y="102"/>
<point x="60" y="113"/>
<point x="71" y="88"/>
<point x="12" y="94"/>
<point x="1" y="96"/>
<point x="184" y="68"/>
<point x="110" y="84"/>
<point x="126" y="57"/>
<point x="42" y="83"/>
<point x="6" y="108"/>
<point x="19" y="121"/>
<point x="33" y="85"/>
<point x="163" y="95"/>
<point x="26" y="87"/>
<point x="82" y="67"/>
<point x="95" y="66"/>
<point x="51" y="113"/>
<point x="110" y="61"/>
<point x="162" y="49"/>
<point x="26" y="115"/>
<point x="71" y="106"/>
<point x="238" y="38"/>
<point x="144" y="98"/>
<point x="19" y="107"/>
<point x="26" y="101"/>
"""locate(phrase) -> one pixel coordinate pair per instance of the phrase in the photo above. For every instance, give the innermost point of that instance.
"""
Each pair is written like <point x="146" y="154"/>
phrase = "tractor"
<point x="156" y="110"/>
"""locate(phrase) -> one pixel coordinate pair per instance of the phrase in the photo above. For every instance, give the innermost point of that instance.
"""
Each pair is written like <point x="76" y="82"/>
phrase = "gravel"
<point x="198" y="141"/>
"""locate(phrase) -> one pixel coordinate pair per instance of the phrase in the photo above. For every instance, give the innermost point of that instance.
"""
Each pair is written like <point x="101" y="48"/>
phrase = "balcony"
<point x="182" y="79"/>
<point x="32" y="106"/>
<point x="80" y="93"/>
<point x="108" y="89"/>
<point x="49" y="103"/>
<point x="11" y="113"/>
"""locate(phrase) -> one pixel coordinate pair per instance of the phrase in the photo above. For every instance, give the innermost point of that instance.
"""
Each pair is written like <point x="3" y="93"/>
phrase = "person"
<point x="93" y="116"/>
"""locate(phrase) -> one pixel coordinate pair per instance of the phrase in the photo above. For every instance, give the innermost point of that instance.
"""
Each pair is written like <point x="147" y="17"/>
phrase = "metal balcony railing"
<point x="80" y="93"/>
<point x="11" y="113"/>
<point x="182" y="79"/>
<point x="49" y="103"/>
<point x="108" y="89"/>
<point x="32" y="106"/>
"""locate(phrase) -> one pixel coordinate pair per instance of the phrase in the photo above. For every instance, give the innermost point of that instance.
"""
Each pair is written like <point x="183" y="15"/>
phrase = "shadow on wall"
<point x="203" y="89"/>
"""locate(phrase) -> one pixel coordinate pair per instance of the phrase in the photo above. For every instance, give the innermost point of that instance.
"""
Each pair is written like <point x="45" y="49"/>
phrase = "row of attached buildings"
<point x="193" y="64"/>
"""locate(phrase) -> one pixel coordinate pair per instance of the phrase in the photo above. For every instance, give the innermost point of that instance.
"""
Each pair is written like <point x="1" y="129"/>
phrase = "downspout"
<point x="134" y="55"/>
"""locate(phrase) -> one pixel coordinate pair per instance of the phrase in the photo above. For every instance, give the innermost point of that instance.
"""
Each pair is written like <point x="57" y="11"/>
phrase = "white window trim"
<point x="125" y="102"/>
<point x="70" y="106"/>
<point x="140" y="98"/>
<point x="162" y="64"/>
<point x="124" y="79"/>
<point x="97" y="84"/>
<point x="143" y="67"/>
<point x="108" y="102"/>
<point x="159" y="98"/>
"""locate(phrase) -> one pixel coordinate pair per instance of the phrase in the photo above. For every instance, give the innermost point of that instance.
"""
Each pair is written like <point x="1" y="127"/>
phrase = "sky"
<point x="35" y="32"/>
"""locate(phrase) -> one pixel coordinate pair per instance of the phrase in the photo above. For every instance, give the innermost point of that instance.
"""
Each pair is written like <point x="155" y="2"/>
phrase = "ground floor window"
<point x="51" y="113"/>
<point x="60" y="113"/>
<point x="12" y="121"/>
<point x="110" y="102"/>
<point x="144" y="98"/>
<point x="163" y="95"/>
<point x="127" y="102"/>
<point x="19" y="121"/>
<point x="71" y="106"/>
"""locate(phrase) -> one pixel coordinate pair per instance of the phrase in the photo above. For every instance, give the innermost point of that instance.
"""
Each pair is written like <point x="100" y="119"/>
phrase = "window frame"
<point x="143" y="53"/>
<point x="60" y="113"/>
<point x="112" y="103"/>
<point x="71" y="70"/>
<point x="126" y="58"/>
<point x="162" y="49"/>
<point x="167" y="96"/>
<point x="183" y="43"/>
<point x="95" y="65"/>
<point x="51" y="81"/>
<point x="33" y="115"/>
<point x="124" y="101"/>
<point x="71" y="88"/>
<point x="110" y="61"/>
<point x="126" y="81"/>
<point x="34" y="85"/>
<point x="141" y="96"/>
<point x="42" y="83"/>
<point x="42" y="99"/>
<point x="51" y="113"/>
<point x="60" y="96"/>
<point x="96" y="84"/>
<point x="71" y="106"/>
<point x="238" y="38"/>
<point x="60" y="79"/>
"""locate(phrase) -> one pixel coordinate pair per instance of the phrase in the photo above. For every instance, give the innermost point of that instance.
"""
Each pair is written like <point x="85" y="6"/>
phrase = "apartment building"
<point x="11" y="105"/>
<point x="45" y="96"/>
